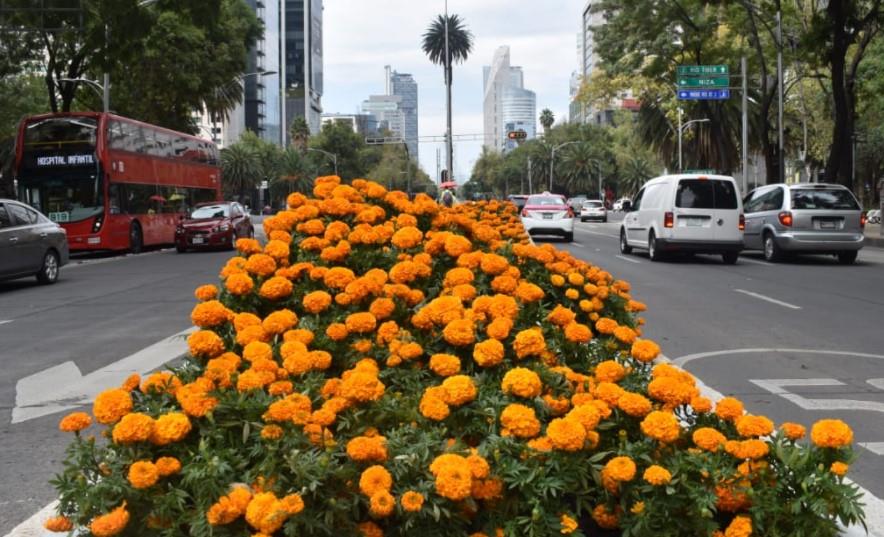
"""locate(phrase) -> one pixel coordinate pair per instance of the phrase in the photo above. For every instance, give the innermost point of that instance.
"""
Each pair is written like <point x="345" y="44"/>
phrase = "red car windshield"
<point x="210" y="211"/>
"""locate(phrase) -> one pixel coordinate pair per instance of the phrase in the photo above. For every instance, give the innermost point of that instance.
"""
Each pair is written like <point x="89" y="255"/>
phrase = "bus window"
<point x="114" y="202"/>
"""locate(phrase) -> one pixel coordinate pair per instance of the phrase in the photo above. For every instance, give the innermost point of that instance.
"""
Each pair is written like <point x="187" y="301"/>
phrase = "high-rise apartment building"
<point x="403" y="85"/>
<point x="506" y="101"/>
<point x="262" y="101"/>
<point x="303" y="61"/>
<point x="387" y="111"/>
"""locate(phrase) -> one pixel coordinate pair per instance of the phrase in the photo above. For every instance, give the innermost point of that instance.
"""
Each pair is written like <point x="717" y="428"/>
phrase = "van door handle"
<point x="43" y="235"/>
<point x="13" y="239"/>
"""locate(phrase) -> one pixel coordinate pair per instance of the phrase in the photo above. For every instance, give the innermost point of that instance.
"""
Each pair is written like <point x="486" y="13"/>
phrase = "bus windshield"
<point x="61" y="132"/>
<point x="64" y="198"/>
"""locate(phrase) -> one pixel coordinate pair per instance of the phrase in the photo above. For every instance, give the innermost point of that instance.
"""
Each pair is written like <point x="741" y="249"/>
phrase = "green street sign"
<point x="703" y="81"/>
<point x="695" y="70"/>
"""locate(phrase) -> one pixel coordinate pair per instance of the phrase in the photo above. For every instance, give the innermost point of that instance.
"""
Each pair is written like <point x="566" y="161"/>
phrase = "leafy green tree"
<point x="292" y="175"/>
<point x="299" y="133"/>
<point x="579" y="168"/>
<point x="546" y="120"/>
<point x="398" y="172"/>
<point x="240" y="170"/>
<point x="355" y="159"/>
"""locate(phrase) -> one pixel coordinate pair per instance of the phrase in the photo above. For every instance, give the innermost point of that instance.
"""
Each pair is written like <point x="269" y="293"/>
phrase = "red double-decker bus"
<point x="113" y="183"/>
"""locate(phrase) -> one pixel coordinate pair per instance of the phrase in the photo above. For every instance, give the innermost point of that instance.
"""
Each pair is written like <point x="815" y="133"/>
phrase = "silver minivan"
<point x="30" y="243"/>
<point x="810" y="218"/>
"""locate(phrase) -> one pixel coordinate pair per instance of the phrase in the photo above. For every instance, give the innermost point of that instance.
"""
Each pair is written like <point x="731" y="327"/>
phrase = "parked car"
<point x="213" y="225"/>
<point x="518" y="200"/>
<point x="576" y="202"/>
<point x="548" y="214"/>
<point x="810" y="218"/>
<point x="30" y="243"/>
<point x="593" y="210"/>
<point x="619" y="204"/>
<point x="685" y="213"/>
<point x="874" y="216"/>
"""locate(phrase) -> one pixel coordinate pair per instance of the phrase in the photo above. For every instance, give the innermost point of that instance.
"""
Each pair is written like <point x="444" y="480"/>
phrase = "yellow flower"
<point x="75" y="422"/>
<point x="620" y="469"/>
<point x="831" y="433"/>
<point x="657" y="475"/>
<point x="111" y="405"/>
<point x="569" y="525"/>
<point x="58" y="524"/>
<point x="750" y="426"/>
<point x="662" y="426"/>
<point x="143" y="474"/>
<point x="793" y="431"/>
<point x="375" y="479"/>
<point x="645" y="350"/>
<point x="519" y="421"/>
<point x="381" y="504"/>
<point x="134" y="427"/>
<point x="488" y="353"/>
<point x="839" y="468"/>
<point x="521" y="382"/>
<point x="566" y="434"/>
<point x="459" y="389"/>
<point x="740" y="526"/>
<point x="412" y="501"/>
<point x="111" y="523"/>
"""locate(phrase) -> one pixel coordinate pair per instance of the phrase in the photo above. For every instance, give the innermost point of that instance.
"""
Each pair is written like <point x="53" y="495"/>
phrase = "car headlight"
<point x="224" y="227"/>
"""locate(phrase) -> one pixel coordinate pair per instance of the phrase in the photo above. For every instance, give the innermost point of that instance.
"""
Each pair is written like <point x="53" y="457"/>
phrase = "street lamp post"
<point x="333" y="156"/>
<point x="105" y="87"/>
<point x="681" y="129"/>
<point x="552" y="160"/>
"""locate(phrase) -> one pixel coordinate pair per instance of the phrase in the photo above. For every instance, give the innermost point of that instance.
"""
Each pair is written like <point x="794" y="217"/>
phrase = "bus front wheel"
<point x="136" y="239"/>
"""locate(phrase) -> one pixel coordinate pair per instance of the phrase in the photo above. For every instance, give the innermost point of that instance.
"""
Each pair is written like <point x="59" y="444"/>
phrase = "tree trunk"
<point x="839" y="164"/>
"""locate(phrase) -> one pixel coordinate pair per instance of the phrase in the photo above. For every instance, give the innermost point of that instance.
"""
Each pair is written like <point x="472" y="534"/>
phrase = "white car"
<point x="874" y="216"/>
<point x="618" y="205"/>
<point x="686" y="213"/>
<point x="548" y="214"/>
<point x="593" y="210"/>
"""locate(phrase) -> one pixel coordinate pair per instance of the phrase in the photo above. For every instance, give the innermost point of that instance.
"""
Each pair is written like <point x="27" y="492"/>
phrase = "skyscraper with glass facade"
<point x="404" y="86"/>
<point x="302" y="50"/>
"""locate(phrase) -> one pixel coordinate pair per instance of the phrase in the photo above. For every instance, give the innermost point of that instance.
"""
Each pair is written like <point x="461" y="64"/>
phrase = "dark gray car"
<point x="809" y="218"/>
<point x="30" y="243"/>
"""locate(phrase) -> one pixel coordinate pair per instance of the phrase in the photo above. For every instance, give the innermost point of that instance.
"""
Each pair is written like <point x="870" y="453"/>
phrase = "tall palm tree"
<point x="633" y="174"/>
<point x="580" y="168"/>
<point x="240" y="170"/>
<point x="448" y="33"/>
<point x="546" y="120"/>
<point x="299" y="133"/>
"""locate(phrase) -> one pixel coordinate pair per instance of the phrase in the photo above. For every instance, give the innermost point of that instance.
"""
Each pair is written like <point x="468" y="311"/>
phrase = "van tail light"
<point x="742" y="224"/>
<point x="862" y="220"/>
<point x="668" y="219"/>
<point x="99" y="221"/>
<point x="785" y="218"/>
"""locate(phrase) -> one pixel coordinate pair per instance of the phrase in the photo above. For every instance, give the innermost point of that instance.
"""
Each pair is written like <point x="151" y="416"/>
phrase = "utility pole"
<point x="680" y="112"/>
<point x="781" y="160"/>
<point x="449" y="150"/>
<point x="530" y="188"/>
<point x="745" y="138"/>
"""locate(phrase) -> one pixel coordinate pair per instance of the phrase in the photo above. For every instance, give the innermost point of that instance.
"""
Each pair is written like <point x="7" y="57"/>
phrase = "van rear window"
<point x="706" y="194"/>
<point x="829" y="198"/>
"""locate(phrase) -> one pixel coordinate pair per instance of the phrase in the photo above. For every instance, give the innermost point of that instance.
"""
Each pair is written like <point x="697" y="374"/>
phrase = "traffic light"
<point x="517" y="135"/>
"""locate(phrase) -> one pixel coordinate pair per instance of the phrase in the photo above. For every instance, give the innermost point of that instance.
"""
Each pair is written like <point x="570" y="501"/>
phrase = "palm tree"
<point x="299" y="133"/>
<point x="580" y="168"/>
<point x="546" y="120"/>
<point x="635" y="171"/>
<point x="447" y="33"/>
<point x="240" y="170"/>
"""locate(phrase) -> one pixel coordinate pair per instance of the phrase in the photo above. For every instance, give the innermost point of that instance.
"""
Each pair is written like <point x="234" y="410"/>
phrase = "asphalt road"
<point x="759" y="331"/>
<point x="101" y="310"/>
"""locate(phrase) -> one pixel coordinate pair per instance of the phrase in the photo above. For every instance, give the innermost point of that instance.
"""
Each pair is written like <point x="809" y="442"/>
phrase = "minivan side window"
<point x="773" y="201"/>
<point x="637" y="203"/>
<point x="754" y="201"/>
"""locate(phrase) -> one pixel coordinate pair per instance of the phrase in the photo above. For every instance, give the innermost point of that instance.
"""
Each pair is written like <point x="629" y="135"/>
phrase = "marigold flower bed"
<point x="390" y="367"/>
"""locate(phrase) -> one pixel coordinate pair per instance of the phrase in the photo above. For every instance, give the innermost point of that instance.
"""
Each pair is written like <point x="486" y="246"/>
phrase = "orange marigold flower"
<point x="750" y="426"/>
<point x="381" y="504"/>
<point x="361" y="322"/>
<point x="276" y="288"/>
<point x="793" y="431"/>
<point x="499" y="328"/>
<point x="635" y="405"/>
<point x="645" y="350"/>
<point x="375" y="479"/>
<point x="494" y="264"/>
<point x="569" y="525"/>
<point x="407" y="237"/>
<point x="459" y="332"/>
<point x="729" y="409"/>
<point x="271" y="432"/>
<point x="831" y="433"/>
<point x="528" y="292"/>
<point x="839" y="468"/>
<point x="210" y="313"/>
<point x="708" y="439"/>
<point x="444" y="365"/>
<point x="58" y="524"/>
<point x="433" y="406"/>
<point x="561" y="316"/>
<point x="362" y="387"/>
<point x="740" y="526"/>
<point x="111" y="405"/>
<point x="370" y="529"/>
<point x="205" y="344"/>
<point x="337" y="331"/>
<point x="75" y="422"/>
<point x="609" y="371"/>
<point x="747" y="449"/>
<point x="625" y="334"/>
<point x="620" y="469"/>
<point x="170" y="428"/>
<point x="521" y="382"/>
<point x="459" y="390"/>
<point x="701" y="404"/>
<point x="260" y="265"/>
<point x="566" y="434"/>
<point x="279" y="321"/>
<point x="162" y="382"/>
<point x="316" y="302"/>
<point x="411" y="501"/>
<point x="519" y="421"/>
<point x="662" y="426"/>
<point x="488" y="353"/>
<point x="529" y="343"/>
<point x="239" y="284"/>
<point x="248" y="246"/>
<point x="606" y="326"/>
<point x="657" y="475"/>
<point x="454" y="482"/>
<point x="577" y="333"/>
<point x="143" y="474"/>
<point x="367" y="448"/>
<point x="167" y="466"/>
<point x="111" y="523"/>
<point x="134" y="427"/>
<point x="605" y="518"/>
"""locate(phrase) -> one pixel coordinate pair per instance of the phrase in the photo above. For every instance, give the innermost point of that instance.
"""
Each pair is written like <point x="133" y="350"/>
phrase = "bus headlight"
<point x="99" y="221"/>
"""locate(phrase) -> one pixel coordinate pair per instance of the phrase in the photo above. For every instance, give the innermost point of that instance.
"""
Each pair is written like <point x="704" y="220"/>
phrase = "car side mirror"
<point x="627" y="206"/>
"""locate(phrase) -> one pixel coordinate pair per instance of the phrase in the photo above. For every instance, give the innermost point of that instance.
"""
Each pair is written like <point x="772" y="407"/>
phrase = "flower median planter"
<point x="391" y="367"/>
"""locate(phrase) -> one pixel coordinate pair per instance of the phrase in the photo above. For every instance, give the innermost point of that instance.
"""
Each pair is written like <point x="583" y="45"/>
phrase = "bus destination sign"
<point x="65" y="160"/>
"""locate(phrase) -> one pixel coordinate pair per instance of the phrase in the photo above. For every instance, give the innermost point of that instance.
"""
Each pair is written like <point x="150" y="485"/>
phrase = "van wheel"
<point x="625" y="248"/>
<point x="653" y="250"/>
<point x="569" y="236"/>
<point x="49" y="269"/>
<point x="136" y="238"/>
<point x="730" y="258"/>
<point x="772" y="252"/>
<point x="847" y="258"/>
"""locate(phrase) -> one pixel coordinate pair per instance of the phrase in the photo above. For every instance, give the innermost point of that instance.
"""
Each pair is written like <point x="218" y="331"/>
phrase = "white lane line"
<point x="576" y="244"/>
<point x="755" y="261"/>
<point x="600" y="234"/>
<point x="6" y="322"/>
<point x="624" y="258"/>
<point x="875" y="447"/>
<point x="82" y="262"/>
<point x="768" y="299"/>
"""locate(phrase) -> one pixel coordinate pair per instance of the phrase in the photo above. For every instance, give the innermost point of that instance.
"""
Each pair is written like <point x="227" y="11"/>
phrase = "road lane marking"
<point x="7" y="322"/>
<point x="755" y="261"/>
<point x="691" y="357"/>
<point x="875" y="447"/>
<point x="86" y="262"/>
<point x="64" y="387"/>
<point x="601" y="234"/>
<point x="624" y="258"/>
<point x="878" y="383"/>
<point x="768" y="299"/>
<point x="576" y="244"/>
<point x="777" y="387"/>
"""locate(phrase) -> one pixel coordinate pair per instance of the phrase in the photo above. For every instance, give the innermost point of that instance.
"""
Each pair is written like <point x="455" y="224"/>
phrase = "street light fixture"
<point x="552" y="160"/>
<point x="94" y="84"/>
<point x="681" y="129"/>
<point x="333" y="156"/>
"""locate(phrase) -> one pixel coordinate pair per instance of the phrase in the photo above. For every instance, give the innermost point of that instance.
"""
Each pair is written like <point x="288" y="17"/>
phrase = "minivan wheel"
<point x="653" y="251"/>
<point x="569" y="236"/>
<point x="772" y="252"/>
<point x="136" y="239"/>
<point x="730" y="258"/>
<point x="625" y="248"/>
<point x="847" y="258"/>
<point x="49" y="270"/>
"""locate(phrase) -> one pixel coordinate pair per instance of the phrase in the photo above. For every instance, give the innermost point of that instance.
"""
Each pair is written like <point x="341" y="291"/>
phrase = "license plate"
<point x="198" y="240"/>
<point x="827" y="225"/>
<point x="547" y="216"/>
<point x="693" y="222"/>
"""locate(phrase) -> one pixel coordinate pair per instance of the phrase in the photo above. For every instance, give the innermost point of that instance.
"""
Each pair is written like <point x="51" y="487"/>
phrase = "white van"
<point x="685" y="213"/>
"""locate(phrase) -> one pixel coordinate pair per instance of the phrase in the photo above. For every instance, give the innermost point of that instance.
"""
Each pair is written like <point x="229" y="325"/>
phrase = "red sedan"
<point x="213" y="225"/>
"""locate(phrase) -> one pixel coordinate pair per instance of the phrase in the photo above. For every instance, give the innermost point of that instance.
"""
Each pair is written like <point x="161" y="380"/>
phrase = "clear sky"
<point x="361" y="37"/>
